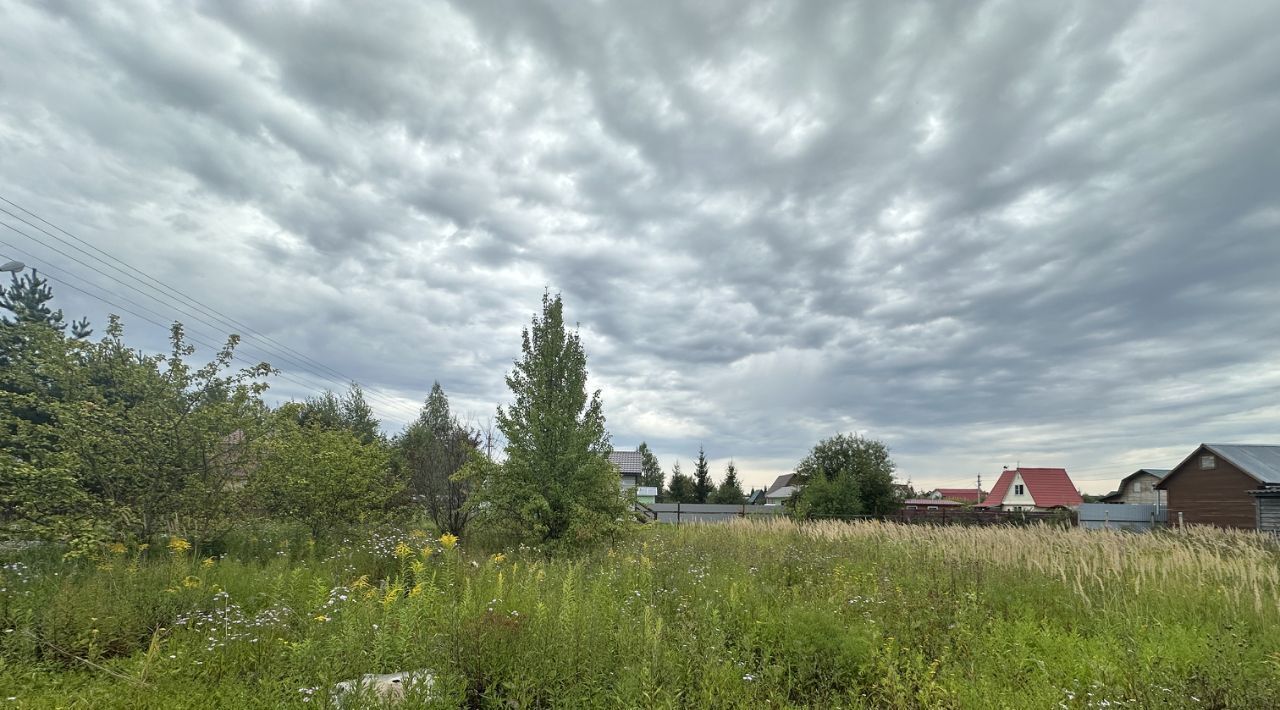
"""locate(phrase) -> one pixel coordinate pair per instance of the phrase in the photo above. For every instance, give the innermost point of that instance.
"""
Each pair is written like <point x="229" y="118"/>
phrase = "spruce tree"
<point x="556" y="484"/>
<point x="703" y="486"/>
<point x="730" y="491"/>
<point x="650" y="469"/>
<point x="27" y="299"/>
<point x="680" y="489"/>
<point x="433" y="448"/>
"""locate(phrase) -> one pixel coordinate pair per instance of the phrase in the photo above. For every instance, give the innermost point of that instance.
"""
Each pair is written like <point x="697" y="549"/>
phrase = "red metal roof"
<point x="963" y="495"/>
<point x="1049" y="487"/>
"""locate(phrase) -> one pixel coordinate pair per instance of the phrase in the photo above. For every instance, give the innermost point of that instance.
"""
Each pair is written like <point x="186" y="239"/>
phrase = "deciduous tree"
<point x="556" y="484"/>
<point x="846" y="475"/>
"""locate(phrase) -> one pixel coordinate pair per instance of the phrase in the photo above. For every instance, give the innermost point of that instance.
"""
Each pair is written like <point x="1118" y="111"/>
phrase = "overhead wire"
<point x="117" y="306"/>
<point x="248" y="348"/>
<point x="279" y="352"/>
<point x="160" y="286"/>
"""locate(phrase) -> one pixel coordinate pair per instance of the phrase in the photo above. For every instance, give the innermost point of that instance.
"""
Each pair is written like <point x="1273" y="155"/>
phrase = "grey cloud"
<point x="979" y="231"/>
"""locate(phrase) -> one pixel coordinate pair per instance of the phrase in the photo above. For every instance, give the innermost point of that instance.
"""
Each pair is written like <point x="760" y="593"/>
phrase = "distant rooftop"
<point x="628" y="462"/>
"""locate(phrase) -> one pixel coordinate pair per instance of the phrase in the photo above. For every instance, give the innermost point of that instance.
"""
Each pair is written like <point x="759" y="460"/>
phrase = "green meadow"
<point x="744" y="615"/>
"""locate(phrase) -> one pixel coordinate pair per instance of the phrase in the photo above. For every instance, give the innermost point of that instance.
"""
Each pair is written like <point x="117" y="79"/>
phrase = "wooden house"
<point x="1227" y="485"/>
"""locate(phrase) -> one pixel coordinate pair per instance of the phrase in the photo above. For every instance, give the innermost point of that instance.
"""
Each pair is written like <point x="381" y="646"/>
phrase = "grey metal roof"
<point x="628" y="462"/>
<point x="783" y="480"/>
<point x="783" y="492"/>
<point x="1262" y="461"/>
<point x="1157" y="472"/>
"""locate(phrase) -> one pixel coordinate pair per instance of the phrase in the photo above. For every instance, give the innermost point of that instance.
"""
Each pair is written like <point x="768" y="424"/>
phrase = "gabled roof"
<point x="1159" y="473"/>
<point x="964" y="495"/>
<point x="784" y="480"/>
<point x="1048" y="487"/>
<point x="628" y="462"/>
<point x="1260" y="462"/>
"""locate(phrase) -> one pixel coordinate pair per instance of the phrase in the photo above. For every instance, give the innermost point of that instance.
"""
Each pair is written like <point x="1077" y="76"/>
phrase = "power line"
<point x="208" y="310"/>
<point x="136" y="314"/>
<point x="135" y="304"/>
<point x="113" y="304"/>
<point x="301" y="361"/>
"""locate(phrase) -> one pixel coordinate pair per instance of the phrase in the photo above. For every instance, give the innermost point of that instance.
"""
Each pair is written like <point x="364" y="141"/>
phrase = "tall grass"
<point x="742" y="615"/>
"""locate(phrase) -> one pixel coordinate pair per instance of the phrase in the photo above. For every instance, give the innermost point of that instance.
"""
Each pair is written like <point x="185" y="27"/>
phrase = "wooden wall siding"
<point x="1269" y="514"/>
<point x="1218" y="496"/>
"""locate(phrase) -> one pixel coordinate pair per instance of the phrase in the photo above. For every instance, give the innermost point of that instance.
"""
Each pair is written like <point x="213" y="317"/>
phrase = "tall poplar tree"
<point x="556" y="484"/>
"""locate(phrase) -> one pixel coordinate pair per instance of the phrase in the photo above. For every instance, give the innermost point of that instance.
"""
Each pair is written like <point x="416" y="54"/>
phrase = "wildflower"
<point x="116" y="548"/>
<point x="449" y="540"/>
<point x="418" y="534"/>
<point x="321" y="618"/>
<point x="403" y="551"/>
<point x="177" y="546"/>
<point x="499" y="558"/>
<point x="190" y="582"/>
<point x="427" y="552"/>
<point x="207" y="562"/>
<point x="748" y="677"/>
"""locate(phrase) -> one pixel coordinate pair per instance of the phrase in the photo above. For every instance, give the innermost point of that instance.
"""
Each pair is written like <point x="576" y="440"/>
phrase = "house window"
<point x="1137" y="487"/>
<point x="932" y="507"/>
<point x="1019" y="489"/>
<point x="1207" y="462"/>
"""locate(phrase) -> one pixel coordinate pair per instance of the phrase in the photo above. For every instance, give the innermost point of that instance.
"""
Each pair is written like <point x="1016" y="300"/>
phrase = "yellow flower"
<point x="499" y="558"/>
<point x="177" y="546"/>
<point x="449" y="540"/>
<point x="416" y="591"/>
<point x="321" y="617"/>
<point x="417" y="534"/>
<point x="208" y="562"/>
<point x="427" y="552"/>
<point x="116" y="548"/>
<point x="403" y="551"/>
<point x="190" y="582"/>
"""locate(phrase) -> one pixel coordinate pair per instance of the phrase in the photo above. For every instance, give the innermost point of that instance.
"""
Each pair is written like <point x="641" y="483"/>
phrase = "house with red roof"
<point x="1033" y="490"/>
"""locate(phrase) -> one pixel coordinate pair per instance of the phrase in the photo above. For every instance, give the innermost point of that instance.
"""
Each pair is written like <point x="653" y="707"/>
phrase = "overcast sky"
<point x="985" y="233"/>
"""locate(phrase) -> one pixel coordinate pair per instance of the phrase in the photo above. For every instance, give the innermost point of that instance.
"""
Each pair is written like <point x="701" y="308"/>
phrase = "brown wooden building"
<point x="1215" y="484"/>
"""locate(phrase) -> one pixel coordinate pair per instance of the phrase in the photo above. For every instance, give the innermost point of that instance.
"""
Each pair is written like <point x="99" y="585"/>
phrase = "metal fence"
<point x="705" y="512"/>
<point x="1089" y="515"/>
<point x="1099" y="516"/>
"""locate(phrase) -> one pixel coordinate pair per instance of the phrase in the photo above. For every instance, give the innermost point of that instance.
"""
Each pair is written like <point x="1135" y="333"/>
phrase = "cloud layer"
<point x="987" y="234"/>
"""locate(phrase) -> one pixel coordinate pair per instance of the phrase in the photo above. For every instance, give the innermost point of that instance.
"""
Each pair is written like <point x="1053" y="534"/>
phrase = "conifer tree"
<point x="650" y="469"/>
<point x="27" y="299"/>
<point x="680" y="489"/>
<point x="703" y="486"/>
<point x="730" y="491"/>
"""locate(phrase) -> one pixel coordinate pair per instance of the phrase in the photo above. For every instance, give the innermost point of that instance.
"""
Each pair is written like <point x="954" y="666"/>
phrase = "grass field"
<point x="745" y="615"/>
